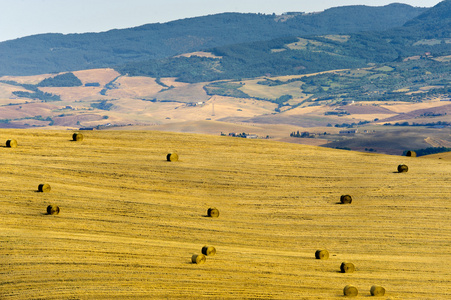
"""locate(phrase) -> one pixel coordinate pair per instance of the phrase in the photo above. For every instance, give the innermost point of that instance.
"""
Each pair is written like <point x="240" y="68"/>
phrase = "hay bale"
<point x="345" y="199"/>
<point x="172" y="157"/>
<point x="403" y="168"/>
<point x="411" y="153"/>
<point x="213" y="212"/>
<point x="44" y="188"/>
<point x="347" y="267"/>
<point x="198" y="259"/>
<point x="377" y="290"/>
<point x="77" y="137"/>
<point x="208" y="250"/>
<point x="350" y="291"/>
<point x="322" y="254"/>
<point x="11" y="143"/>
<point x="53" y="209"/>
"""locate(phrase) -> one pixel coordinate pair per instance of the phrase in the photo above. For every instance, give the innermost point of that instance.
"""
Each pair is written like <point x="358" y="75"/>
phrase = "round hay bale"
<point x="347" y="267"/>
<point x="77" y="137"/>
<point x="198" y="259"/>
<point x="377" y="290"/>
<point x="411" y="153"/>
<point x="208" y="250"/>
<point x="350" y="291"/>
<point x="403" y="168"/>
<point x="345" y="199"/>
<point x="172" y="157"/>
<point x="53" y="209"/>
<point x="322" y="254"/>
<point x="213" y="212"/>
<point x="44" y="188"/>
<point x="11" y="143"/>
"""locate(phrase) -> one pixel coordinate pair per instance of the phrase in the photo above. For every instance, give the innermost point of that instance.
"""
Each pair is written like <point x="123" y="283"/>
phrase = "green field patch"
<point x="228" y="89"/>
<point x="253" y="89"/>
<point x="337" y="38"/>
<point x="384" y="69"/>
<point x="334" y="85"/>
<point x="278" y="50"/>
<point x="429" y="42"/>
<point x="302" y="44"/>
<point x="402" y="90"/>
<point x="446" y="58"/>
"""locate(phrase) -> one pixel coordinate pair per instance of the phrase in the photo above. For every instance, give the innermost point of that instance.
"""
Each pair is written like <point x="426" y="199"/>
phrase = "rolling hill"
<point x="164" y="104"/>
<point x="130" y="221"/>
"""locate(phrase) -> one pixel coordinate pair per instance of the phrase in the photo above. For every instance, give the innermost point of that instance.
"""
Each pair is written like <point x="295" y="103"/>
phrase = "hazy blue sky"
<point x="20" y="18"/>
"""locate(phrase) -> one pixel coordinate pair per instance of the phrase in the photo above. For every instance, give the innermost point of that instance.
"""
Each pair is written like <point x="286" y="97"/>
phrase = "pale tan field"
<point x="6" y="91"/>
<point x="252" y="88"/>
<point x="171" y="81"/>
<point x="26" y="110"/>
<point x="135" y="87"/>
<point x="184" y="93"/>
<point x="408" y="107"/>
<point x="200" y="54"/>
<point x="102" y="76"/>
<point x="130" y="221"/>
<point x="436" y="142"/>
<point x="33" y="79"/>
<point x="69" y="95"/>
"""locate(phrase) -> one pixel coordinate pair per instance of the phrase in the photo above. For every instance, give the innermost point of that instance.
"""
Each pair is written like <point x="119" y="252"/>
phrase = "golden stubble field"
<point x="130" y="220"/>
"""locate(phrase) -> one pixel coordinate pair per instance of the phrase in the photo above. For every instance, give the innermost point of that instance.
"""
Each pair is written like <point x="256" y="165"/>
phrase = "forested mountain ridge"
<point x="51" y="53"/>
<point x="434" y="23"/>
<point x="427" y="33"/>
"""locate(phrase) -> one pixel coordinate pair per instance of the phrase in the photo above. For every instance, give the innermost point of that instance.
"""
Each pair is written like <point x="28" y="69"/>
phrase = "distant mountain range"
<point x="155" y="43"/>
<point x="429" y="32"/>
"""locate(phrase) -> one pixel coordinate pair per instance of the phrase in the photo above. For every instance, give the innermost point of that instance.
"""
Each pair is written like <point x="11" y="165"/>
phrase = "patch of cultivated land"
<point x="34" y="79"/>
<point x="130" y="221"/>
<point x="252" y="88"/>
<point x="393" y="139"/>
<point x="101" y="76"/>
<point x="135" y="87"/>
<point x="165" y="103"/>
<point x="444" y="110"/>
<point x="444" y="156"/>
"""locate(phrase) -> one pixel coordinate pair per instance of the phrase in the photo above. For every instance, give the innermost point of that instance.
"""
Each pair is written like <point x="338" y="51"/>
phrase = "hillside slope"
<point x="428" y="34"/>
<point x="402" y="100"/>
<point x="50" y="53"/>
<point x="130" y="221"/>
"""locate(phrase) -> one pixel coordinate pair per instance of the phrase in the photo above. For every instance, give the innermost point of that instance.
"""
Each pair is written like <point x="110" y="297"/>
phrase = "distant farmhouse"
<point x="195" y="103"/>
<point x="244" y="135"/>
<point x="349" y="132"/>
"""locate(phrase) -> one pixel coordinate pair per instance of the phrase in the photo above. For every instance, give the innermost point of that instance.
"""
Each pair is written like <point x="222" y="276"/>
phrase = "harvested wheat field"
<point x="129" y="221"/>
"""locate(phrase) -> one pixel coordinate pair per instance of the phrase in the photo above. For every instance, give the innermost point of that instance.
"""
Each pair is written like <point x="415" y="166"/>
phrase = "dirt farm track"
<point x="130" y="220"/>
